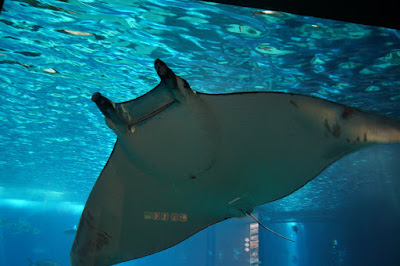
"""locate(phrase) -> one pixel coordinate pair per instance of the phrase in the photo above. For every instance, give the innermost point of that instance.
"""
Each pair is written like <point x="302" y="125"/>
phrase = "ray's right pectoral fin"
<point x="130" y="214"/>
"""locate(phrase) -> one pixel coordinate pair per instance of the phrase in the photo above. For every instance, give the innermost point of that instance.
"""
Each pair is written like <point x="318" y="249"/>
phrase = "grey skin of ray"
<point x="185" y="160"/>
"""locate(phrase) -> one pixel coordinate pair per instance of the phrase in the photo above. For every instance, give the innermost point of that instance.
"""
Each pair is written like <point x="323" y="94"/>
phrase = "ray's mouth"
<point x="107" y="108"/>
<point x="151" y="114"/>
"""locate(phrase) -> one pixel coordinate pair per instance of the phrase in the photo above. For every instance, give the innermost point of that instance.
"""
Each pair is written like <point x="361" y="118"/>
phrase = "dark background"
<point x="376" y="13"/>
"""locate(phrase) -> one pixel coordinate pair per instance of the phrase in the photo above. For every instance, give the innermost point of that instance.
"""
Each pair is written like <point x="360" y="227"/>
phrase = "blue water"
<point x="55" y="54"/>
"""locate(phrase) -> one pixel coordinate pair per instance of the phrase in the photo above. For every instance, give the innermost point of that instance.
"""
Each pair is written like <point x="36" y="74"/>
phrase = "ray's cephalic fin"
<point x="104" y="104"/>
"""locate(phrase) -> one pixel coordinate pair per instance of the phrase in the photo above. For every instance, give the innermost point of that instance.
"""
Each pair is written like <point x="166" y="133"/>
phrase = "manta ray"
<point x="185" y="160"/>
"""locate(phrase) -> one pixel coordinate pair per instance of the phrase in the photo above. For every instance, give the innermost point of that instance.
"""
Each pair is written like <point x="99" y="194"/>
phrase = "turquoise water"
<point x="55" y="54"/>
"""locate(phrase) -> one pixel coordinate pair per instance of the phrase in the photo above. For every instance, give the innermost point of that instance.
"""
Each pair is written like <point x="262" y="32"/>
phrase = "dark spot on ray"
<point x="88" y="220"/>
<point x="327" y="127"/>
<point x="102" y="239"/>
<point x="358" y="139"/>
<point x="89" y="215"/>
<point x="365" y="137"/>
<point x="107" y="234"/>
<point x="348" y="112"/>
<point x="348" y="140"/>
<point x="193" y="177"/>
<point x="336" y="130"/>
<point x="294" y="103"/>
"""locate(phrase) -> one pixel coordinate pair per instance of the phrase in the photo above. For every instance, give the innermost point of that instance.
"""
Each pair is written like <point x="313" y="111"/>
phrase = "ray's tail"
<point x="272" y="231"/>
